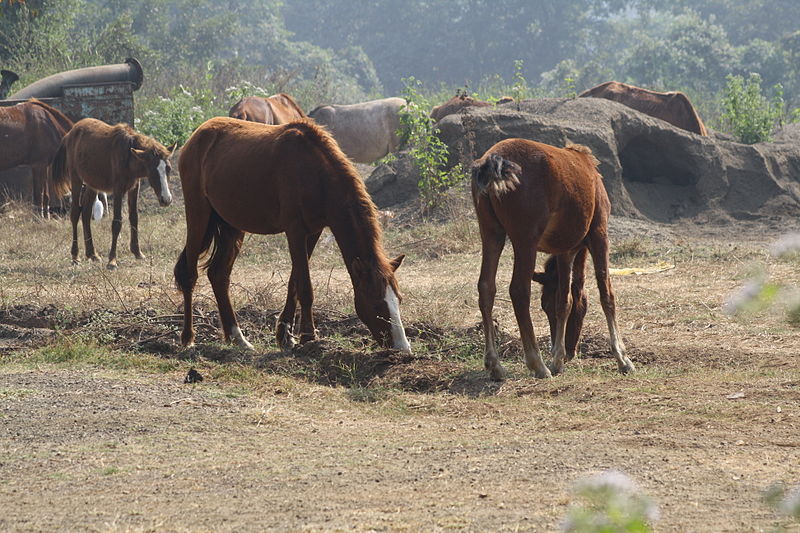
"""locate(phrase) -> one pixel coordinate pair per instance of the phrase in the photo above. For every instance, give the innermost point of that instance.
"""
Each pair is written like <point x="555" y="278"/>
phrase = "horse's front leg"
<point x="520" y="292"/>
<point x="116" y="226"/>
<point x="133" y="218"/>
<point x="563" y="309"/>
<point x="492" y="242"/>
<point x="285" y="326"/>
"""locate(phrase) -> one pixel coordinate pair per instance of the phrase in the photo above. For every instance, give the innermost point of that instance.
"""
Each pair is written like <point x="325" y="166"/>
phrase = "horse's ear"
<point x="138" y="154"/>
<point x="171" y="148"/>
<point x="397" y="261"/>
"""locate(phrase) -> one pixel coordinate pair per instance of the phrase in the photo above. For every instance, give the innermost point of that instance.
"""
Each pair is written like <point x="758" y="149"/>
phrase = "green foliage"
<point x="748" y="113"/>
<point x="174" y="118"/>
<point x="611" y="504"/>
<point x="428" y="152"/>
<point x="519" y="91"/>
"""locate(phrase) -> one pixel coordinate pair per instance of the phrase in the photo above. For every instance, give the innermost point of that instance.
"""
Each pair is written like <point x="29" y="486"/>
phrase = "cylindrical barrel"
<point x="51" y="86"/>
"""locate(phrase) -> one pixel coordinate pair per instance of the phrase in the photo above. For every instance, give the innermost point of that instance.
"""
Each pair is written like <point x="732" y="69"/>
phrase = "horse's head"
<point x="378" y="303"/>
<point x="549" y="281"/>
<point x="154" y="163"/>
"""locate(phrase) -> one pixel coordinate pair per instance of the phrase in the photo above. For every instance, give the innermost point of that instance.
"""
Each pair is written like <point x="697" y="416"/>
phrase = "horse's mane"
<point x="361" y="201"/>
<point x="60" y="118"/>
<point x="125" y="134"/>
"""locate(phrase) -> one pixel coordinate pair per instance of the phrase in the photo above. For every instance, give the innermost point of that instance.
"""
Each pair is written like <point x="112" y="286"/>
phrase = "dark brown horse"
<point x="277" y="109"/>
<point x="242" y="177"/>
<point x="31" y="133"/>
<point x="544" y="199"/>
<point x="96" y="156"/>
<point x="673" y="107"/>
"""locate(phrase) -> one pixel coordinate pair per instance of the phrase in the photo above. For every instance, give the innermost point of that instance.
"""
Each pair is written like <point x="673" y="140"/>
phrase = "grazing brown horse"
<point x="242" y="177"/>
<point x="673" y="107"/>
<point x="109" y="159"/>
<point x="544" y="199"/>
<point x="277" y="109"/>
<point x="549" y="281"/>
<point x="30" y="134"/>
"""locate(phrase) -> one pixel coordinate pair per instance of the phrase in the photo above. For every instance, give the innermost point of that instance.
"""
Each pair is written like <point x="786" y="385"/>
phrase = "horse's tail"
<point x="496" y="175"/>
<point x="59" y="177"/>
<point x="221" y="241"/>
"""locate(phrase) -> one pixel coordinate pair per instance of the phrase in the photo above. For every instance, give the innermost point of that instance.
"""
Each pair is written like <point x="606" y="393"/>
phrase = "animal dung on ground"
<point x="193" y="376"/>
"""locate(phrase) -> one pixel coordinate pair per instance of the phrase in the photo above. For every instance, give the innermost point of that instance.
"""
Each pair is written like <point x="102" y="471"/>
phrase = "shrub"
<point x="612" y="504"/>
<point x="175" y="117"/>
<point x="748" y="114"/>
<point x="428" y="152"/>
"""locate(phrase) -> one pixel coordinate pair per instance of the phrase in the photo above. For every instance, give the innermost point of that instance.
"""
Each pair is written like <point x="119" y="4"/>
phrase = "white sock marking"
<point x="399" y="340"/>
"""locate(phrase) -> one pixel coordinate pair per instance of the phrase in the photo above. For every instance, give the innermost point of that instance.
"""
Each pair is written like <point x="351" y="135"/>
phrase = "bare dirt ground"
<point x="98" y="432"/>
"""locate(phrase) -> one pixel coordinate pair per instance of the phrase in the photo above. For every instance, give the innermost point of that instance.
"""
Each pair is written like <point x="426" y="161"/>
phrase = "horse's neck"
<point x="356" y="236"/>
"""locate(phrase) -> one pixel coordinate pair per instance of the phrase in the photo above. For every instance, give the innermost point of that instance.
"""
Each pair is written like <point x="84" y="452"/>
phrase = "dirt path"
<point x="100" y="451"/>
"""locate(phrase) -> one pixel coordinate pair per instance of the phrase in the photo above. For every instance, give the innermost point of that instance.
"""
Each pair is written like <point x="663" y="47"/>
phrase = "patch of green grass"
<point x="110" y="471"/>
<point x="82" y="352"/>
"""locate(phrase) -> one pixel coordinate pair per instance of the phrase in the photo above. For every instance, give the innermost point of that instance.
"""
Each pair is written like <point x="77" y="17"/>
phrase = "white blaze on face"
<point x="399" y="340"/>
<point x="166" y="196"/>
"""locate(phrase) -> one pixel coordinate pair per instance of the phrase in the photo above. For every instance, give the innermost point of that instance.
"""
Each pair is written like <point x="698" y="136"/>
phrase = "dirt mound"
<point x="652" y="169"/>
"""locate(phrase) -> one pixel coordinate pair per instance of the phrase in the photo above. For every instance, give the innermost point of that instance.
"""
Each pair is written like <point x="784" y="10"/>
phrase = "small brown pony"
<point x="277" y="109"/>
<point x="110" y="159"/>
<point x="31" y="133"/>
<point x="544" y="199"/>
<point x="242" y="177"/>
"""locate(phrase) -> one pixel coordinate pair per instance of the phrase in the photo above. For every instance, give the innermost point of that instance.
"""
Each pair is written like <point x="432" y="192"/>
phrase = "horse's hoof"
<point x="94" y="257"/>
<point x="497" y="373"/>
<point x="111" y="266"/>
<point x="305" y="337"/>
<point x="555" y="370"/>
<point x="627" y="368"/>
<point x="542" y="374"/>
<point x="76" y="261"/>
<point x="139" y="256"/>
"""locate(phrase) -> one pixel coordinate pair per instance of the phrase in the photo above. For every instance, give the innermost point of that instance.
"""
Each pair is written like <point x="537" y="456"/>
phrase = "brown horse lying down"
<point x="277" y="109"/>
<point x="110" y="159"/>
<point x="242" y="177"/>
<point x="544" y="199"/>
<point x="672" y="107"/>
<point x="32" y="132"/>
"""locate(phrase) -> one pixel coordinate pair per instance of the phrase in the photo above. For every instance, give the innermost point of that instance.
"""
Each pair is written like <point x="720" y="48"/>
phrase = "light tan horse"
<point x="544" y="199"/>
<point x="110" y="159"/>
<point x="242" y="177"/>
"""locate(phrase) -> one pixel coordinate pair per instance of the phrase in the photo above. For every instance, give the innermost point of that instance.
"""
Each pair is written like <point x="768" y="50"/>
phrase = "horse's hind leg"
<point x="41" y="200"/>
<point x="563" y="310"/>
<point x="285" y="325"/>
<point x="493" y="239"/>
<point x="520" y="292"/>
<point x="198" y="239"/>
<point x="598" y="247"/>
<point x="133" y="218"/>
<point x="228" y="244"/>
<point x="74" y="217"/>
